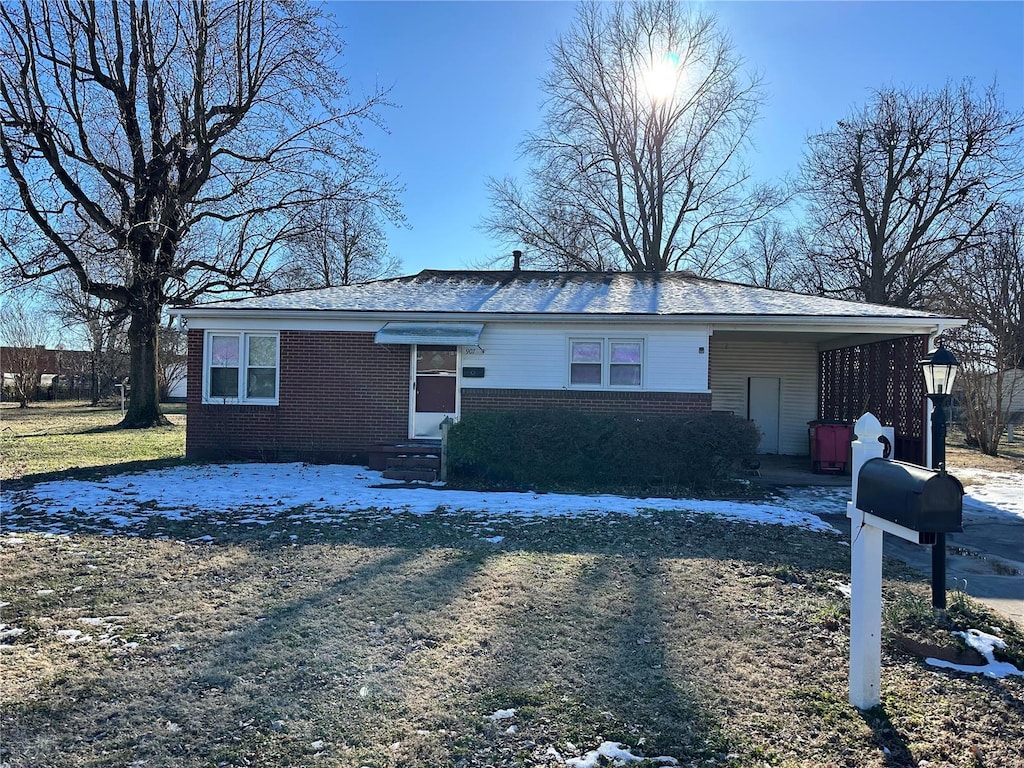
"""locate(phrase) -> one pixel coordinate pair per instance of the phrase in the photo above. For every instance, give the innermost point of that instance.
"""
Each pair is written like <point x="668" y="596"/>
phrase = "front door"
<point x="763" y="410"/>
<point x="434" y="389"/>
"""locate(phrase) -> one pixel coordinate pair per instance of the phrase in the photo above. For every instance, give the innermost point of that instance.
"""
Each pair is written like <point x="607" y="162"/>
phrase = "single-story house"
<point x="324" y="374"/>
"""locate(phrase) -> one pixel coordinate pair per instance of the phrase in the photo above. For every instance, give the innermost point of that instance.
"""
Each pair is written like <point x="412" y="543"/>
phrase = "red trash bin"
<point x="830" y="446"/>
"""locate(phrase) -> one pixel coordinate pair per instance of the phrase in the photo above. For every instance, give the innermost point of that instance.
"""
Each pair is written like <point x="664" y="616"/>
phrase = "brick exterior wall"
<point x="339" y="393"/>
<point x="603" y="401"/>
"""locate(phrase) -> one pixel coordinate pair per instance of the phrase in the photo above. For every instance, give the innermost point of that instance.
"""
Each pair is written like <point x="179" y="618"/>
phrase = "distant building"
<point x="55" y="370"/>
<point x="1012" y="394"/>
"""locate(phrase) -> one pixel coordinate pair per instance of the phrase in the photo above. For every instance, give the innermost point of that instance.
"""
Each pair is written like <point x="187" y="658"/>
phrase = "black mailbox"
<point x="917" y="498"/>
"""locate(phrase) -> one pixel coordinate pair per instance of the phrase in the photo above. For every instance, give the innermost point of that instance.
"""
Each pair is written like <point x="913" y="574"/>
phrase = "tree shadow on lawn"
<point x="257" y="690"/>
<point x="397" y="629"/>
<point x="94" y="473"/>
<point x="615" y="675"/>
<point x="646" y="533"/>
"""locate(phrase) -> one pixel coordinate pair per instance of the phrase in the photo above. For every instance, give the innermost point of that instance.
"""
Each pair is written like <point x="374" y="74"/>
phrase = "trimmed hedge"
<point x="561" y="450"/>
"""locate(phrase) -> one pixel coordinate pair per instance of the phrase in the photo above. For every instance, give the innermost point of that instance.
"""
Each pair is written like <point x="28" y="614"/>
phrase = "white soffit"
<point x="454" y="334"/>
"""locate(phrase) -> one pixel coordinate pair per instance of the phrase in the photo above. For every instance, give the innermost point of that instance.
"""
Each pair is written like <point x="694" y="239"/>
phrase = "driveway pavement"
<point x="986" y="560"/>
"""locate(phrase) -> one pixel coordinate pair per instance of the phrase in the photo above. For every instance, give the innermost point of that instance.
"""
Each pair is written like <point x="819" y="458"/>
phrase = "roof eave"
<point x="721" y="321"/>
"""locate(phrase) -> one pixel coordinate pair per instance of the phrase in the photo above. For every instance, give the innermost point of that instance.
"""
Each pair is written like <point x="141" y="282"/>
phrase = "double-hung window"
<point x="241" y="367"/>
<point x="606" y="363"/>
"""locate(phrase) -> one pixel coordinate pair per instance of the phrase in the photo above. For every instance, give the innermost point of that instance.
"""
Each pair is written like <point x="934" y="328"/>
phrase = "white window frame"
<point x="243" y="368"/>
<point x="606" y="361"/>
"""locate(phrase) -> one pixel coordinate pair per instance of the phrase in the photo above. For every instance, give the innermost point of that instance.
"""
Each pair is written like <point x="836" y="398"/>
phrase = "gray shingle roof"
<point x="574" y="293"/>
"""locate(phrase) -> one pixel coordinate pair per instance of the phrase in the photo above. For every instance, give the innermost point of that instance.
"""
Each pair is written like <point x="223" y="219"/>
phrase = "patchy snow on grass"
<point x="843" y="588"/>
<point x="7" y="631"/>
<point x="993" y="492"/>
<point x="985" y="644"/>
<point x="73" y="636"/>
<point x="323" y="493"/>
<point x="502" y="714"/>
<point x="616" y="754"/>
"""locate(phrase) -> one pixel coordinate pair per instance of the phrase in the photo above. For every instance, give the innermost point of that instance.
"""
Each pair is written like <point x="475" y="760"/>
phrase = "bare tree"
<point x="338" y="241"/>
<point x="905" y="185"/>
<point x="989" y="289"/>
<point x="23" y="334"/>
<point x="768" y="258"/>
<point x="168" y="144"/>
<point x="96" y="323"/>
<point x="639" y="159"/>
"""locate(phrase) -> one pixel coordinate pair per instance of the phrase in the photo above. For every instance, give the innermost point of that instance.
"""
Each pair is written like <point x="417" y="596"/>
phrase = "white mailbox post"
<point x="866" y="572"/>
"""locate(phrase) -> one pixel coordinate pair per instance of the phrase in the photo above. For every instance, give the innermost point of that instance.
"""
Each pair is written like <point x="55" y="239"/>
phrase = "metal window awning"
<point x="454" y="334"/>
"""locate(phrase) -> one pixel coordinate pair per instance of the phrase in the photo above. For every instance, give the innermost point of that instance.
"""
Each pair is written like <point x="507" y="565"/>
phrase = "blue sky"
<point x="464" y="77"/>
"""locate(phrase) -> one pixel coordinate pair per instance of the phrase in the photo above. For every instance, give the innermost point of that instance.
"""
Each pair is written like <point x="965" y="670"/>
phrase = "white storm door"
<point x="434" y="389"/>
<point x="763" y="409"/>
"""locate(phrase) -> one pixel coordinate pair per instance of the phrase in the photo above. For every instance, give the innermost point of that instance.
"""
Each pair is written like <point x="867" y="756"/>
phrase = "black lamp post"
<point x="939" y="368"/>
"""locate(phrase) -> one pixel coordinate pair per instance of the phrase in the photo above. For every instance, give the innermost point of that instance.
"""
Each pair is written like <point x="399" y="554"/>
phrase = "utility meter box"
<point x="917" y="498"/>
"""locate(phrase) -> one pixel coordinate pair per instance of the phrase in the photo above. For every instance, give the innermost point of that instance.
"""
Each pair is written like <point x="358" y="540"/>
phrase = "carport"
<point x="782" y="380"/>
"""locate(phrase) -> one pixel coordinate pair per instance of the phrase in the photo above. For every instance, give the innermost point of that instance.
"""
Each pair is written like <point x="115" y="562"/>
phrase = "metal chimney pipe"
<point x="517" y="257"/>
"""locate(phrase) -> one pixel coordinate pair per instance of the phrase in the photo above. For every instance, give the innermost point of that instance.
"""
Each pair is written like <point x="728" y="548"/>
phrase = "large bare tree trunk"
<point x="144" y="405"/>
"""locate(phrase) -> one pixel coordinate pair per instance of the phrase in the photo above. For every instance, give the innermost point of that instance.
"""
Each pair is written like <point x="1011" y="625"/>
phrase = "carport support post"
<point x="865" y="579"/>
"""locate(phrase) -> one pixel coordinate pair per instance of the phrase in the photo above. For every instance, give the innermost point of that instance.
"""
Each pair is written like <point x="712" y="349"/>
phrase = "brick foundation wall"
<point x="617" y="401"/>
<point x="339" y="393"/>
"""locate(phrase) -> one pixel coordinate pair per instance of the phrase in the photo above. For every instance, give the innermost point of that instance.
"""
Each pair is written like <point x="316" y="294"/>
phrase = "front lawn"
<point x="386" y="638"/>
<point x="61" y="436"/>
<point x="282" y="616"/>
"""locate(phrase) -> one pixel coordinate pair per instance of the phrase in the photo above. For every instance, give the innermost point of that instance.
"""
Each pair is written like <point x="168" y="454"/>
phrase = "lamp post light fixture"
<point x="939" y="367"/>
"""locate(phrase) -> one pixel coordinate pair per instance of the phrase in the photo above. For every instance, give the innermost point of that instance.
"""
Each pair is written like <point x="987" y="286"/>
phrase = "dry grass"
<point x="960" y="455"/>
<point x="388" y="639"/>
<point x="61" y="436"/>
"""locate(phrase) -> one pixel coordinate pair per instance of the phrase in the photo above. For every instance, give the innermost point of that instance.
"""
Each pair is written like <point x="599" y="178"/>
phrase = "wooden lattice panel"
<point x="882" y="377"/>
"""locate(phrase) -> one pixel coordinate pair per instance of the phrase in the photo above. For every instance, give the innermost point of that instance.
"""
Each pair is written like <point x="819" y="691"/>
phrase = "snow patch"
<point x="985" y="644"/>
<point x="611" y="750"/>
<point x="6" y="631"/>
<point x="502" y="714"/>
<point x="73" y="636"/>
<point x="255" y="494"/>
<point x="843" y="588"/>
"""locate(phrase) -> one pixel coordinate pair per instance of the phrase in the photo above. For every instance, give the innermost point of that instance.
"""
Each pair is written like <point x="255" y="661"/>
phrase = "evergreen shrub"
<point x="558" y="450"/>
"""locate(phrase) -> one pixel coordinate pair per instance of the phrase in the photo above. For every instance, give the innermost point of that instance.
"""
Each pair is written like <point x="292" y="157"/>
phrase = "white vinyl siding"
<point x="795" y="363"/>
<point x="519" y="356"/>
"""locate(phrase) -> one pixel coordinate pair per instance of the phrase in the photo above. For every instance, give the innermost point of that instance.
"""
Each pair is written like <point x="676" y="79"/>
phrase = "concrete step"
<point x="410" y="475"/>
<point x="414" y="462"/>
<point x="379" y="453"/>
